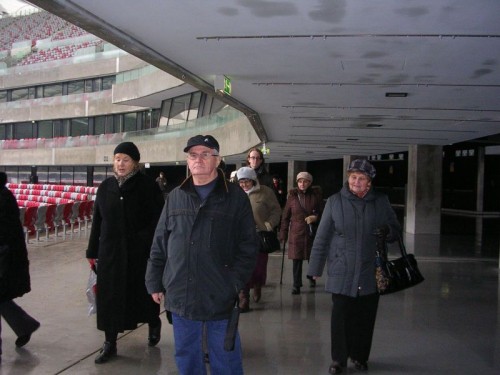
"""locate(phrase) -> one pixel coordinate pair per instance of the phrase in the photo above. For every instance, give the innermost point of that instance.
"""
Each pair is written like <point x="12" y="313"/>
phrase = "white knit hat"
<point x="246" y="173"/>
<point x="305" y="176"/>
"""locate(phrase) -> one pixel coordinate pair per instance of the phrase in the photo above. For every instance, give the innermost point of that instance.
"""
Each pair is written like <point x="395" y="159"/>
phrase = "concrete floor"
<point x="448" y="324"/>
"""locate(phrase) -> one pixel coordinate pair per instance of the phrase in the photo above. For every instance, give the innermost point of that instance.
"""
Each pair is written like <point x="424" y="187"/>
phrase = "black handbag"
<point x="269" y="242"/>
<point x="394" y="275"/>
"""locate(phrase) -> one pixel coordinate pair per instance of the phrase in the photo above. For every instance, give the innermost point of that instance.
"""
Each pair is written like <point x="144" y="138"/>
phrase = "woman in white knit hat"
<point x="266" y="212"/>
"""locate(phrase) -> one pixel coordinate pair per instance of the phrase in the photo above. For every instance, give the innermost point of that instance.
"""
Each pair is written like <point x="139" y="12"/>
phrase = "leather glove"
<point x="311" y="219"/>
<point x="382" y="231"/>
<point x="268" y="226"/>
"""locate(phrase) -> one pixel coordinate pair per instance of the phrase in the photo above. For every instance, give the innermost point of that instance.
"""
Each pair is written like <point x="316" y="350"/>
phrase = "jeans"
<point x="189" y="338"/>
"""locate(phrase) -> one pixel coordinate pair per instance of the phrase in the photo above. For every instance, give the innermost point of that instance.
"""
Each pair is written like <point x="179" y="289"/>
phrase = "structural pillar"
<point x="423" y="199"/>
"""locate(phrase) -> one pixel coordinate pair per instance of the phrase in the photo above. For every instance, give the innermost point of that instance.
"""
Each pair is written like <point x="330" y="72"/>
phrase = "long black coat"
<point x="122" y="232"/>
<point x="14" y="264"/>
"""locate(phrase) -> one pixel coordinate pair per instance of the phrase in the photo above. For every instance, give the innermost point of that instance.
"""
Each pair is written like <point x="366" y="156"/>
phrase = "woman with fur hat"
<point x="301" y="213"/>
<point x="266" y="212"/>
<point x="345" y="242"/>
<point x="126" y="211"/>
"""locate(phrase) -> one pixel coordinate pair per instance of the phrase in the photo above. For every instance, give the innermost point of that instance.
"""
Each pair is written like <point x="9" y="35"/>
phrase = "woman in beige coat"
<point x="266" y="212"/>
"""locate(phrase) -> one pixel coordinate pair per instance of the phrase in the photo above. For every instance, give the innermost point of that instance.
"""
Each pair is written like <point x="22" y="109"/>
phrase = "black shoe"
<point x="154" y="334"/>
<point x="335" y="368"/>
<point x="107" y="352"/>
<point x="23" y="340"/>
<point x="360" y="366"/>
<point x="295" y="290"/>
<point x="312" y="282"/>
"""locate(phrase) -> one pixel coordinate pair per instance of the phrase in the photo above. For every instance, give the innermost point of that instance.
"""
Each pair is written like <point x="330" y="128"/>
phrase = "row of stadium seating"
<point x="53" y="187"/>
<point x="50" y="207"/>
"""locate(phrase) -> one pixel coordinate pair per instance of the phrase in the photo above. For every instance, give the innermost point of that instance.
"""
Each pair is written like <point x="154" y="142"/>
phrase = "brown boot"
<point x="244" y="304"/>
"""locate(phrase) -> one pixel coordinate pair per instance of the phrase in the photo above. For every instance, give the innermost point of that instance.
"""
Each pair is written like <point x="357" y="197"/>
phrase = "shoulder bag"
<point x="395" y="275"/>
<point x="269" y="242"/>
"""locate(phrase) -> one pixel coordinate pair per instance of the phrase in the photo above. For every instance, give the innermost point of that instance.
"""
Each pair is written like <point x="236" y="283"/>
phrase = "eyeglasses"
<point x="254" y="157"/>
<point x="204" y="155"/>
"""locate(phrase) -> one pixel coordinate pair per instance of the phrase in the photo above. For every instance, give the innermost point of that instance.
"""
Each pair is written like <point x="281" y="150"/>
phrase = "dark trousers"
<point x="18" y="319"/>
<point x="297" y="273"/>
<point x="352" y="325"/>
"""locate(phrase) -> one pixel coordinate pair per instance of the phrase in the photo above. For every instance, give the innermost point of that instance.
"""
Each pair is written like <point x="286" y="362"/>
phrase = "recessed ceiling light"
<point x="396" y="94"/>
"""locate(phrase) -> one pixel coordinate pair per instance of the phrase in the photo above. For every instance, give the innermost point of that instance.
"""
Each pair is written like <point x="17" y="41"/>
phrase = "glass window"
<point x="99" y="125"/>
<point x="97" y="84"/>
<point x="180" y="110"/>
<point x="217" y="105"/>
<point x="118" y="123"/>
<point x="155" y="118"/>
<point x="88" y="85"/>
<point x="99" y="175"/>
<point x="12" y="175"/>
<point x="23" y="130"/>
<point x="45" y="129"/>
<point x="55" y="175"/>
<point x="43" y="175"/>
<point x="24" y="174"/>
<point x="39" y="91"/>
<point x="165" y="112"/>
<point x="58" y="128"/>
<point x="195" y="105"/>
<point x="108" y="82"/>
<point x="110" y="128"/>
<point x="76" y="87"/>
<point x="31" y="92"/>
<point x="130" y="122"/>
<point x="3" y="131"/>
<point x="52" y="90"/>
<point x="3" y="96"/>
<point x="66" y="175"/>
<point x="79" y="126"/>
<point x="80" y="175"/>
<point x="20" y="94"/>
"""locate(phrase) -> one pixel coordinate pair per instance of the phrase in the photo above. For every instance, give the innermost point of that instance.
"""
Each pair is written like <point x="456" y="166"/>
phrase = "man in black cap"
<point x="207" y="234"/>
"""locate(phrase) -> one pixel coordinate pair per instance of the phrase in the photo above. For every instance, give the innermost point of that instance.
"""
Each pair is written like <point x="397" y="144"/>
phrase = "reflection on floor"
<point x="448" y="324"/>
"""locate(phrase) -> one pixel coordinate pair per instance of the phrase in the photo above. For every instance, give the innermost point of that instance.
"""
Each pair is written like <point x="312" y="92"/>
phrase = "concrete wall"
<point x="234" y="138"/>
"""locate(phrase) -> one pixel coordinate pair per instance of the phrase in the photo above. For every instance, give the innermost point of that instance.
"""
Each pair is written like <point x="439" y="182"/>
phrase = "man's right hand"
<point x="157" y="297"/>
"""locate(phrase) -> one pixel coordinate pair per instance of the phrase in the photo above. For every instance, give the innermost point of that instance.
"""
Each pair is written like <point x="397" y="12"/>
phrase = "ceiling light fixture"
<point x="396" y="94"/>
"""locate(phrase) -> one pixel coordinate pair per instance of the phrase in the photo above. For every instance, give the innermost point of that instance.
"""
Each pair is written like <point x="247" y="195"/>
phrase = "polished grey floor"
<point x="449" y="324"/>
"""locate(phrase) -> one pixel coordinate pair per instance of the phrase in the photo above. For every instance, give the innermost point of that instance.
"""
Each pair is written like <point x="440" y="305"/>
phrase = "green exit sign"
<point x="227" y="86"/>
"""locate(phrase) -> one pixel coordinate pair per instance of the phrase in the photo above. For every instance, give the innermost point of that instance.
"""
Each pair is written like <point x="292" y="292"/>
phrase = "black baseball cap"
<point x="202" y="140"/>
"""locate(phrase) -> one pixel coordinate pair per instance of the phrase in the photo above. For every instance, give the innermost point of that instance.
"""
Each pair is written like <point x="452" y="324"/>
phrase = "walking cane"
<point x="282" y="261"/>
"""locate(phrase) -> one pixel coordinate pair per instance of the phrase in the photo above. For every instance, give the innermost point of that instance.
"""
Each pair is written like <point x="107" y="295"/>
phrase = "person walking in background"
<point x="346" y="242"/>
<point x="256" y="161"/>
<point x="266" y="213"/>
<point x="14" y="269"/>
<point x="126" y="211"/>
<point x="300" y="215"/>
<point x="279" y="190"/>
<point x="161" y="180"/>
<point x="204" y="251"/>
